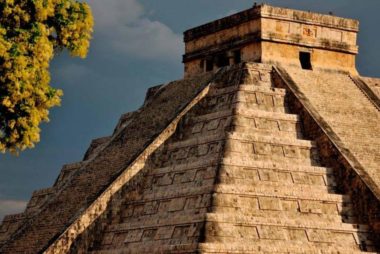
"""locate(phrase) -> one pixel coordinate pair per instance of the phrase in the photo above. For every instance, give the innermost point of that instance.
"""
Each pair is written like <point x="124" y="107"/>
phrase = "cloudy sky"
<point x="137" y="44"/>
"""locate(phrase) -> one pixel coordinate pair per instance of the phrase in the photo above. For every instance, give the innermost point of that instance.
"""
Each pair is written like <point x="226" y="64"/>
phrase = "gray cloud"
<point x="11" y="207"/>
<point x="73" y="71"/>
<point x="124" y="27"/>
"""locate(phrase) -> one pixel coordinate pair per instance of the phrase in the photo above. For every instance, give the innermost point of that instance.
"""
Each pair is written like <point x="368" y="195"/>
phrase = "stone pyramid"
<point x="270" y="144"/>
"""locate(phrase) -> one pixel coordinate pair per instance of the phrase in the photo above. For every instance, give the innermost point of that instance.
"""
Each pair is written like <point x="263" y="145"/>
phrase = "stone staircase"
<point x="236" y="171"/>
<point x="273" y="195"/>
<point x="167" y="211"/>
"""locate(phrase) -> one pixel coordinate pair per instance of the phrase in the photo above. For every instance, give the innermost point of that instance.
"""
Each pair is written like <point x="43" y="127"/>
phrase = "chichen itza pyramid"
<point x="270" y="144"/>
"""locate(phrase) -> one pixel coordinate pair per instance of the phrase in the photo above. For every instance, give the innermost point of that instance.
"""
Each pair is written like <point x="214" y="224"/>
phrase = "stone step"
<point x="258" y="78"/>
<point x="189" y="151"/>
<point x="39" y="198"/>
<point x="162" y="212"/>
<point x="261" y="98"/>
<point x="212" y="116"/>
<point x="233" y="173"/>
<point x="243" y="110"/>
<point x="289" y="180"/>
<point x="270" y="153"/>
<point x="242" y="136"/>
<point x="270" y="246"/>
<point x="247" y="88"/>
<point x="183" y="168"/>
<point x="271" y="148"/>
<point x="254" y="97"/>
<point x="207" y="124"/>
<point x="10" y="224"/>
<point x="298" y="222"/>
<point x="174" y="217"/>
<point x="285" y="236"/>
<point x="244" y="120"/>
<point x="126" y="236"/>
<point x="13" y="217"/>
<point x="161" y="246"/>
<point x="178" y="190"/>
<point x="244" y="203"/>
<point x="277" y="140"/>
<point x="267" y="124"/>
<point x="268" y="90"/>
<point x="259" y="83"/>
<point x="251" y="184"/>
<point x="250" y="163"/>
<point x="66" y="171"/>
<point x="95" y="147"/>
<point x="221" y="226"/>
<point x="251" y="170"/>
<point x="42" y="193"/>
<point x="157" y="221"/>
<point x="163" y="207"/>
<point x="264" y="210"/>
<point x="279" y="190"/>
<point x="197" y="141"/>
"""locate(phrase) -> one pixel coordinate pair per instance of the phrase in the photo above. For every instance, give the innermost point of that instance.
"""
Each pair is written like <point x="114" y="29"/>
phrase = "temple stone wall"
<point x="269" y="34"/>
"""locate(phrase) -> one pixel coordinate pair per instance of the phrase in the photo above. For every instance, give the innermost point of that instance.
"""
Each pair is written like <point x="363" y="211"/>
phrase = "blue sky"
<point x="137" y="44"/>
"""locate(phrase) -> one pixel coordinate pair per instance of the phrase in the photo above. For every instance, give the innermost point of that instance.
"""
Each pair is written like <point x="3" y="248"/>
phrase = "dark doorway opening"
<point x="209" y="65"/>
<point x="222" y="60"/>
<point x="305" y="59"/>
<point x="237" y="56"/>
<point x="202" y="65"/>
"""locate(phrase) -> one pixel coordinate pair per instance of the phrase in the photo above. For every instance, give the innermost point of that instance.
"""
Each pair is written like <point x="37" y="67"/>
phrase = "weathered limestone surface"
<point x="349" y="114"/>
<point x="95" y="175"/>
<point x="370" y="87"/>
<point x="255" y="158"/>
<point x="271" y="34"/>
<point x="373" y="84"/>
<point x="236" y="170"/>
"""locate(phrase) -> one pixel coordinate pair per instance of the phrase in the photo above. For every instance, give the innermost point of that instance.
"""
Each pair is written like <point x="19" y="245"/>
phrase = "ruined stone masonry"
<point x="270" y="144"/>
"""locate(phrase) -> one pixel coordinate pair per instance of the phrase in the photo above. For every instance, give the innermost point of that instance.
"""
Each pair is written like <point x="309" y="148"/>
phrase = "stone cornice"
<point x="267" y="11"/>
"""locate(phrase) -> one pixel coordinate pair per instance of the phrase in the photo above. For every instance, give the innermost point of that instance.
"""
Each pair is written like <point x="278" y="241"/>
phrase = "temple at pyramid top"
<point x="269" y="34"/>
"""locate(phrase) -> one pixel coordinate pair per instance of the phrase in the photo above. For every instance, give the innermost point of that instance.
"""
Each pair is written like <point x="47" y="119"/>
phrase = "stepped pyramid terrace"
<point x="270" y="144"/>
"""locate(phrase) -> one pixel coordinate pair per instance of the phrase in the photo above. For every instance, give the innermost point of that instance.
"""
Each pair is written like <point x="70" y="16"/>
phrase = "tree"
<point x="31" y="32"/>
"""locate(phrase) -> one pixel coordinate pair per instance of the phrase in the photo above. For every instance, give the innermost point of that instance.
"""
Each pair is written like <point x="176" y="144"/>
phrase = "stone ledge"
<point x="243" y="220"/>
<point x="184" y="167"/>
<point x="272" y="246"/>
<point x="266" y="213"/>
<point x="247" y="162"/>
<point x="154" y="222"/>
<point x="258" y="138"/>
<point x="267" y="11"/>
<point x="247" y="88"/>
<point x="244" y="111"/>
<point x="213" y="138"/>
<point x="305" y="192"/>
<point x="162" y="246"/>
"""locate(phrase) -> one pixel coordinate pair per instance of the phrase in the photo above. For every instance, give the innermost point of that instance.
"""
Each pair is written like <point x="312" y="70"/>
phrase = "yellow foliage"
<point x="30" y="32"/>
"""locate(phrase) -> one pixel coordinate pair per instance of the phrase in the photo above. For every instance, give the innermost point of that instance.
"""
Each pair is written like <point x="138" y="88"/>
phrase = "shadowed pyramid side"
<point x="86" y="183"/>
